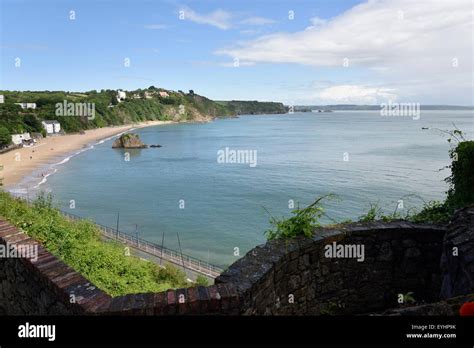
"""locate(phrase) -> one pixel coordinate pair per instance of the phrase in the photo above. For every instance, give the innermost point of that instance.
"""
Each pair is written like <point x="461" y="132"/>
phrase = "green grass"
<point x="79" y="244"/>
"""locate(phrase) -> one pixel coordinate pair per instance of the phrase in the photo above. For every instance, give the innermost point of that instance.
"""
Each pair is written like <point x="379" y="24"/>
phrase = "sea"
<point x="216" y="185"/>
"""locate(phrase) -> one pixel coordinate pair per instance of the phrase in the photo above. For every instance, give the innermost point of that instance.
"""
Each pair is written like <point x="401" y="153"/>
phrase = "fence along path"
<point x="182" y="260"/>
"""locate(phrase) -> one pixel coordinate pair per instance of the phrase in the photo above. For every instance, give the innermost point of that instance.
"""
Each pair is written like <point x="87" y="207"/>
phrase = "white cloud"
<point x="257" y="21"/>
<point x="355" y="94"/>
<point x="155" y="26"/>
<point x="316" y="23"/>
<point x="369" y="33"/>
<point x="395" y="41"/>
<point x="219" y="18"/>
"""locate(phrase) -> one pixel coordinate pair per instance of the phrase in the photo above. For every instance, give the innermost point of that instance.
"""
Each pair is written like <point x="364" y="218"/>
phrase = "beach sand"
<point x="19" y="163"/>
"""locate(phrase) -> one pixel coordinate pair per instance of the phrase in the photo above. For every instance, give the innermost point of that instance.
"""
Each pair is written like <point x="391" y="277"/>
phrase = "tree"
<point x="31" y="121"/>
<point x="5" y="137"/>
<point x="114" y="100"/>
<point x="191" y="92"/>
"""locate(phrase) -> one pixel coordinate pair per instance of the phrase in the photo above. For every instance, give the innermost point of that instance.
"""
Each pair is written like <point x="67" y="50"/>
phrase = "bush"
<point x="301" y="224"/>
<point x="5" y="137"/>
<point x="433" y="212"/>
<point x="461" y="181"/>
<point x="201" y="281"/>
<point x="376" y="213"/>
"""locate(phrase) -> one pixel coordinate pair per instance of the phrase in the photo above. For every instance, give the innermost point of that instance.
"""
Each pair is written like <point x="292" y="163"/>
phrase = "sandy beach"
<point x="19" y="163"/>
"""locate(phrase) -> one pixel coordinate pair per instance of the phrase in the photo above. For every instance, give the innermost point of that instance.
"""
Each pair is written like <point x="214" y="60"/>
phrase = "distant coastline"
<point x="353" y="107"/>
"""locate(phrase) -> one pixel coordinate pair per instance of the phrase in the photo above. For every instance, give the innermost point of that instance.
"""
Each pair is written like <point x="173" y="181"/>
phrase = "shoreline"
<point x="30" y="163"/>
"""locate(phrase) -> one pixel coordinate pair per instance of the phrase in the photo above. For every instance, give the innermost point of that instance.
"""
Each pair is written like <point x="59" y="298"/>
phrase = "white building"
<point x="51" y="126"/>
<point x="18" y="139"/>
<point x="121" y="95"/>
<point x="2" y="99"/>
<point x="27" y="105"/>
<point x="164" y="94"/>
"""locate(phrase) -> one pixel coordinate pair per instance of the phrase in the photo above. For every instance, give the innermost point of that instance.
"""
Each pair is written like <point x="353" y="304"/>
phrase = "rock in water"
<point x="129" y="141"/>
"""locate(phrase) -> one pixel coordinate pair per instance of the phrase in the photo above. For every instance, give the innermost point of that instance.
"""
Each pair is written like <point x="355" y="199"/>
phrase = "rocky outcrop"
<point x="457" y="261"/>
<point x="129" y="141"/>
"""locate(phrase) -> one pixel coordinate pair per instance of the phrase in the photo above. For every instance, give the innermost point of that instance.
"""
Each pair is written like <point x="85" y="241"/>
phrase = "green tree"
<point x="32" y="122"/>
<point x="5" y="137"/>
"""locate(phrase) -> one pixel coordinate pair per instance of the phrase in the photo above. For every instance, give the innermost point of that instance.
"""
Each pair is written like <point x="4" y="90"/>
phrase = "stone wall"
<point x="287" y="278"/>
<point x="279" y="278"/>
<point x="457" y="262"/>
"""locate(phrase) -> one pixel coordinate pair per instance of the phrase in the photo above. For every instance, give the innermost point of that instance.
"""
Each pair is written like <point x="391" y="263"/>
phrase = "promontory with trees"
<point x="112" y="107"/>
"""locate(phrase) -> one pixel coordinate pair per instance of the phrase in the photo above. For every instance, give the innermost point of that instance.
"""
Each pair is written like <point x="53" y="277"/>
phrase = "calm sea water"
<point x="299" y="157"/>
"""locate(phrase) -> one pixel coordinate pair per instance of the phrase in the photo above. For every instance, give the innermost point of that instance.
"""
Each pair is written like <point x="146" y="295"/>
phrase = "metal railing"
<point x="154" y="249"/>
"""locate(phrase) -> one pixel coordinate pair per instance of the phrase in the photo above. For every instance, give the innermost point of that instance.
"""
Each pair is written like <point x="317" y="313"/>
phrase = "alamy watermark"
<point x="400" y="110"/>
<point x="345" y="251"/>
<point x="27" y="251"/>
<point x="233" y="156"/>
<point x="76" y="109"/>
<point x="28" y="330"/>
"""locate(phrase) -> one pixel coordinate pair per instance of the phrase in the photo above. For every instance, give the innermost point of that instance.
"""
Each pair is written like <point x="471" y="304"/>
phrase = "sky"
<point x="296" y="52"/>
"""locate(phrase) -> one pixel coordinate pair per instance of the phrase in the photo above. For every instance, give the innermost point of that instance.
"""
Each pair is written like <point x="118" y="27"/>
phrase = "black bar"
<point x="241" y="330"/>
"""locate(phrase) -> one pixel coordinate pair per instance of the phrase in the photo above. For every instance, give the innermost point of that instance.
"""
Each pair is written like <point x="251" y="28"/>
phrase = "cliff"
<point x="95" y="109"/>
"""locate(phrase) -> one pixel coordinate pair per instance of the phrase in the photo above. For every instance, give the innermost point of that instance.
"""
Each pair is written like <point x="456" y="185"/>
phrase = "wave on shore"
<point x="30" y="182"/>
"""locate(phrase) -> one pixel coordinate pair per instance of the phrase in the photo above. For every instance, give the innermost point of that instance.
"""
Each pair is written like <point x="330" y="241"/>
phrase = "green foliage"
<point x="128" y="111"/>
<point x="372" y="214"/>
<point x="408" y="298"/>
<point x="5" y="137"/>
<point x="32" y="123"/>
<point x="201" y="281"/>
<point x="302" y="223"/>
<point x="238" y="107"/>
<point x="461" y="181"/>
<point x="79" y="244"/>
<point x="376" y="213"/>
<point x="433" y="212"/>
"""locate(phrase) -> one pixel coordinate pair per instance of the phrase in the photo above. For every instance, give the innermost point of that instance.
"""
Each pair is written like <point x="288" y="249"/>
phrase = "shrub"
<point x="461" y="181"/>
<point x="302" y="223"/>
<point x="376" y="213"/>
<point x="5" y="137"/>
<point x="433" y="212"/>
<point x="201" y="281"/>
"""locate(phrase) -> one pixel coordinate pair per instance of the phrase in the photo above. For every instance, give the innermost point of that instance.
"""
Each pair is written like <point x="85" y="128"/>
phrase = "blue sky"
<point x="294" y="60"/>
